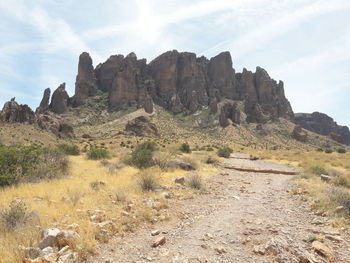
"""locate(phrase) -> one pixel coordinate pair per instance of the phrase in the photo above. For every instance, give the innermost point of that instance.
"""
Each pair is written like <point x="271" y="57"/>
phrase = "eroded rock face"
<point x="59" y="100"/>
<point x="85" y="85"/>
<point x="13" y="112"/>
<point x="299" y="134"/>
<point x="181" y="82"/>
<point x="229" y="113"/>
<point x="54" y="124"/>
<point x="44" y="104"/>
<point x="323" y="124"/>
<point x="142" y="126"/>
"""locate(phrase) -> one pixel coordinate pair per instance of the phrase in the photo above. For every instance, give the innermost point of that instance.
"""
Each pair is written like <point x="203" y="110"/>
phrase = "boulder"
<point x="13" y="112"/>
<point x="85" y="84"/>
<point x="59" y="100"/>
<point x="181" y="165"/>
<point x="55" y="124"/>
<point x="142" y="126"/>
<point x="299" y="134"/>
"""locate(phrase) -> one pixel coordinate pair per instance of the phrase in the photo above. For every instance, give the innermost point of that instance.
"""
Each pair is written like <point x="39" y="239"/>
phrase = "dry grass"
<point x="90" y="186"/>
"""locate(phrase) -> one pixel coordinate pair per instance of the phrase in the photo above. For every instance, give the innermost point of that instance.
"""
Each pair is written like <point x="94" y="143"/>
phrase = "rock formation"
<point x="44" y="104"/>
<point x="59" y="100"/>
<point x="299" y="134"/>
<point x="13" y="112"/>
<point x="181" y="82"/>
<point x="142" y="126"/>
<point x="229" y="112"/>
<point x="323" y="124"/>
<point x="85" y="85"/>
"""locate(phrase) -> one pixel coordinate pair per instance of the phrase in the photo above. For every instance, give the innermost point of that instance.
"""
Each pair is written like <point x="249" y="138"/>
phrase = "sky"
<point x="305" y="43"/>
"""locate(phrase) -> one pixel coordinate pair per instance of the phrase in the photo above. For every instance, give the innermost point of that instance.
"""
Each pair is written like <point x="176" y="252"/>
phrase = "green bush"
<point x="319" y="149"/>
<point x="70" y="149"/>
<point x="142" y="155"/>
<point x="341" y="150"/>
<point x="318" y="170"/>
<point x="97" y="153"/>
<point x="185" y="148"/>
<point x="328" y="151"/>
<point x="225" y="152"/>
<point x="30" y="163"/>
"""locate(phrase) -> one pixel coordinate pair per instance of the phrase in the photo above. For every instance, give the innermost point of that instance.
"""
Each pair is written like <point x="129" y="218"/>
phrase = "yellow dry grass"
<point x="64" y="202"/>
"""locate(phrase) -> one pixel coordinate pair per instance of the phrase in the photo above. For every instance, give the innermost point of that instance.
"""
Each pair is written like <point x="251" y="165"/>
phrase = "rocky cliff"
<point x="323" y="124"/>
<point x="181" y="82"/>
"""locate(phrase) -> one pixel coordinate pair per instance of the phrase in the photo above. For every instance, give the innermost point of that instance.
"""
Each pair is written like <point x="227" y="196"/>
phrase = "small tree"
<point x="225" y="152"/>
<point x="185" y="148"/>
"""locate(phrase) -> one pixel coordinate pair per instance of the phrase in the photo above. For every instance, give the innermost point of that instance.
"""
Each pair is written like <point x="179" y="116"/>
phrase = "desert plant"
<point x="30" y="163"/>
<point x="147" y="182"/>
<point x="341" y="180"/>
<point x="121" y="196"/>
<point x="340" y="197"/>
<point x="15" y="215"/>
<point x="341" y="150"/>
<point x="318" y="170"/>
<point x="225" y="152"/>
<point x="195" y="181"/>
<point x="185" y="148"/>
<point x="328" y="150"/>
<point x="70" y="149"/>
<point x="142" y="155"/>
<point x="211" y="160"/>
<point x="97" y="153"/>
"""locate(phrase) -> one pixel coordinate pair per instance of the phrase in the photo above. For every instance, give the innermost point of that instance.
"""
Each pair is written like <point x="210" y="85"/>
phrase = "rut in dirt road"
<point x="246" y="217"/>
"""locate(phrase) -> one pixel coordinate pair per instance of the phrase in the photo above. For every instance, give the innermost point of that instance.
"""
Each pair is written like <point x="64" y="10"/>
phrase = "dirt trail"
<point x="246" y="217"/>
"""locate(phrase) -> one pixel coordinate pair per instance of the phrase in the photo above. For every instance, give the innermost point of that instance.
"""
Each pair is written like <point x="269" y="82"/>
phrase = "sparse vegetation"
<point x="340" y="197"/>
<point x="98" y="153"/>
<point x="318" y="170"/>
<point x="195" y="181"/>
<point x="69" y="149"/>
<point x="328" y="150"/>
<point x="16" y="215"/>
<point x="185" y="148"/>
<point x="147" y="181"/>
<point x="225" y="152"/>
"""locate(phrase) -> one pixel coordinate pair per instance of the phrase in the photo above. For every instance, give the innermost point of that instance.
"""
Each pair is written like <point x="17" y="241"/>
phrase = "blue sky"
<point x="305" y="43"/>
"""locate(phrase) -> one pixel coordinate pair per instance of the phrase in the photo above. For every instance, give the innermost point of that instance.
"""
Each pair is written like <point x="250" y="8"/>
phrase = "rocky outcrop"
<point x="142" y="126"/>
<point x="229" y="113"/>
<point x="54" y="124"/>
<point x="59" y="100"/>
<point x="106" y="72"/>
<point x="323" y="124"/>
<point x="13" y="112"/>
<point x="44" y="104"/>
<point x="85" y="85"/>
<point x="299" y="134"/>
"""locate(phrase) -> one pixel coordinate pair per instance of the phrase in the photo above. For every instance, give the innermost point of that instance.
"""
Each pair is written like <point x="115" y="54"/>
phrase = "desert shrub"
<point x="342" y="180"/>
<point x="225" y="152"/>
<point x="121" y="196"/>
<point x="95" y="185"/>
<point x="211" y="160"/>
<point x="328" y="151"/>
<point x="340" y="197"/>
<point x="17" y="214"/>
<point x="210" y="149"/>
<point x="195" y="181"/>
<point x="97" y="153"/>
<point x="30" y="163"/>
<point x="185" y="148"/>
<point x="142" y="155"/>
<point x="70" y="149"/>
<point x="162" y="159"/>
<point x="341" y="150"/>
<point x="319" y="149"/>
<point x="318" y="170"/>
<point x="147" y="182"/>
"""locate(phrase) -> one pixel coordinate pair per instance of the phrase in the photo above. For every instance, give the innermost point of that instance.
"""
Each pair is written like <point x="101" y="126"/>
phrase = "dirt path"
<point x="246" y="217"/>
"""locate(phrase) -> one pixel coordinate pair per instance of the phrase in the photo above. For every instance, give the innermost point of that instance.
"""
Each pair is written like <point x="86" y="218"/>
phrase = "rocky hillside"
<point x="323" y="124"/>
